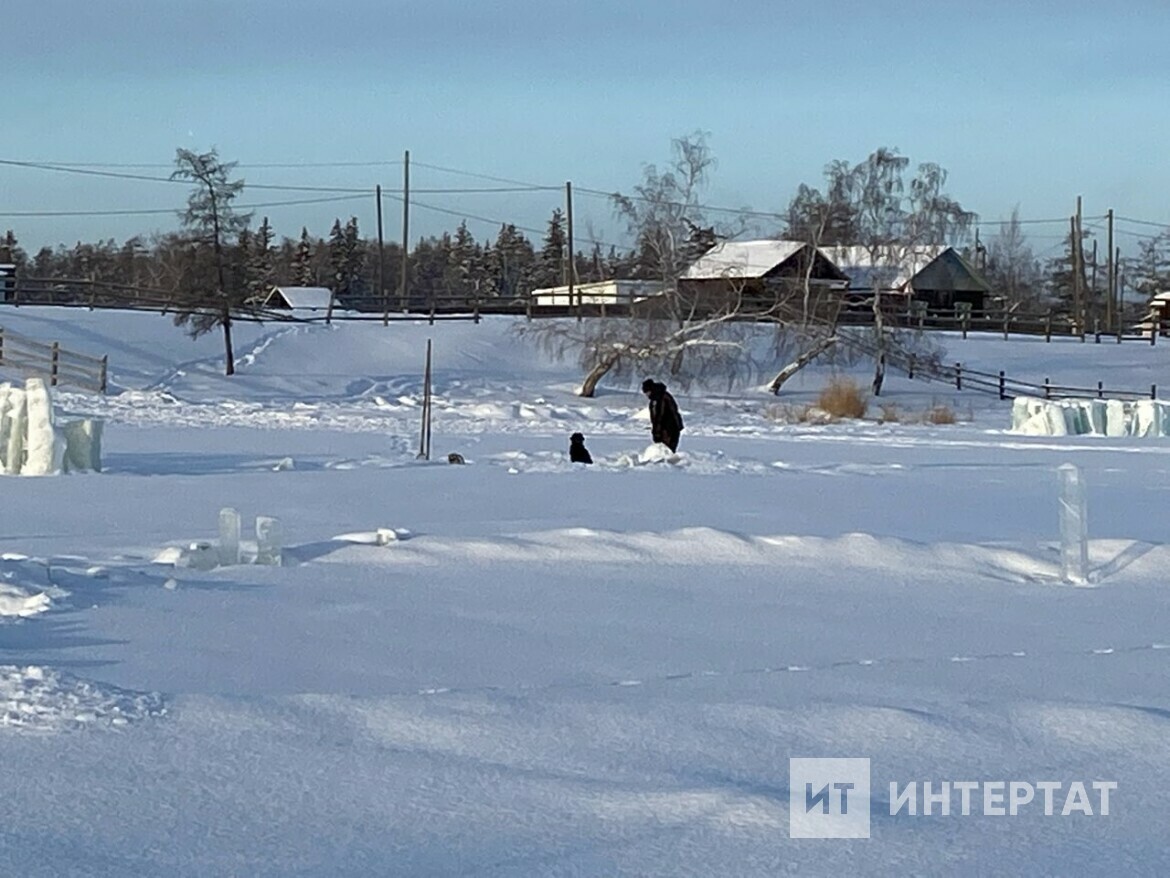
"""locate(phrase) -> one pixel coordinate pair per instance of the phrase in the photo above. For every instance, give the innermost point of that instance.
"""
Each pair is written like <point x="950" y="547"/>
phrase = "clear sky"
<point x="1027" y="103"/>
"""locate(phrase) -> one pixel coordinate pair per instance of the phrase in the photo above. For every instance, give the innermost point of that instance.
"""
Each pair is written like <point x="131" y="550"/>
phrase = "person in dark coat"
<point x="666" y="424"/>
<point x="578" y="453"/>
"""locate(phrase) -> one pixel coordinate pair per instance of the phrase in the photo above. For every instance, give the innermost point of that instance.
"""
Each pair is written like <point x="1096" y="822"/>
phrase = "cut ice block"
<point x="268" y="540"/>
<point x="1074" y="529"/>
<point x="44" y="449"/>
<point x="83" y="445"/>
<point x="229" y="536"/>
<point x="17" y="416"/>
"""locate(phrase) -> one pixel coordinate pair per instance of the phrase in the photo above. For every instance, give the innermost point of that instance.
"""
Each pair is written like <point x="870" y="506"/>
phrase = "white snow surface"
<point x="557" y="669"/>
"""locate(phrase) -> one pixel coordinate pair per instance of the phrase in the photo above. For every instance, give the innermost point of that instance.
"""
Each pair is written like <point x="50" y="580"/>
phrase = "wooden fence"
<point x="62" y="367"/>
<point x="896" y="311"/>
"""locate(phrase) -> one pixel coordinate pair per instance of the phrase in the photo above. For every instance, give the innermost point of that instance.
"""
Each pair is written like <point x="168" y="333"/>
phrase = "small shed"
<point x="299" y="298"/>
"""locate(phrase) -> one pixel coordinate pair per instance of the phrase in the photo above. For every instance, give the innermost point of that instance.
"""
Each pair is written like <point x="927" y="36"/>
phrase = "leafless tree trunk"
<point x="817" y="348"/>
<point x="879" y="329"/>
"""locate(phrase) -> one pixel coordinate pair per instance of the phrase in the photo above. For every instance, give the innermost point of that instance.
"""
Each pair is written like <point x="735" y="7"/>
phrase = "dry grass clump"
<point x="940" y="414"/>
<point x="842" y="398"/>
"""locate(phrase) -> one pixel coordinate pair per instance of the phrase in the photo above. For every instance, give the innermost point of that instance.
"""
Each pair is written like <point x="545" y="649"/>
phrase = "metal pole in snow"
<point x="424" y="452"/>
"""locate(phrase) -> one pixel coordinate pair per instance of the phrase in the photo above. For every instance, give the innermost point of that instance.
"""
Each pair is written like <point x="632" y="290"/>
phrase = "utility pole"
<point x="1117" y="286"/>
<point x="1076" y="271"/>
<point x="1092" y="297"/>
<point x="1082" y="311"/>
<point x="381" y="261"/>
<point x="405" y="283"/>
<point x="569" y="235"/>
<point x="1111" y="285"/>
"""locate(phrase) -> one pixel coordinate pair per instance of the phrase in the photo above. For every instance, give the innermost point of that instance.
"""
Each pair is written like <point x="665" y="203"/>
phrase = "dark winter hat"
<point x="647" y="385"/>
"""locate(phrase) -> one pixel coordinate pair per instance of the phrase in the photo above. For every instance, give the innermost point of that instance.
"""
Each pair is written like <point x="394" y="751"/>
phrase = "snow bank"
<point x="40" y="699"/>
<point x="16" y="602"/>
<point x="26" y="588"/>
<point x="1032" y="416"/>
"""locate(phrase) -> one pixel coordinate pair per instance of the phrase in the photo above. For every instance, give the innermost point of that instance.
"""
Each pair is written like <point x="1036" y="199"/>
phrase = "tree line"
<point x="221" y="262"/>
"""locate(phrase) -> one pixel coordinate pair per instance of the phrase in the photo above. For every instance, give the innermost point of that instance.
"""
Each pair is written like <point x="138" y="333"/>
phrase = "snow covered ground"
<point x="564" y="670"/>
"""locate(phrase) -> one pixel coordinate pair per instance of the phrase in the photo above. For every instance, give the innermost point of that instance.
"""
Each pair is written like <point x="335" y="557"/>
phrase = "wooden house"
<point x="761" y="275"/>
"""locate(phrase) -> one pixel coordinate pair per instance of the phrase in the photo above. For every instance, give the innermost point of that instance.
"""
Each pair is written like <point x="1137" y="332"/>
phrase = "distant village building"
<point x="298" y="298"/>
<point x="936" y="275"/>
<point x="8" y="281"/>
<point x="1157" y="317"/>
<point x="597" y="294"/>
<point x="761" y="273"/>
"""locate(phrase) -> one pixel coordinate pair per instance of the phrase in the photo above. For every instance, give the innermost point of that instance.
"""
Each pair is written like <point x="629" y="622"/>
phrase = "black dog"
<point x="578" y="453"/>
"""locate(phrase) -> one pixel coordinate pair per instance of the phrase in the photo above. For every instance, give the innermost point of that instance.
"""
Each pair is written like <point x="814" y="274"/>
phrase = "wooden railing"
<point x="63" y="368"/>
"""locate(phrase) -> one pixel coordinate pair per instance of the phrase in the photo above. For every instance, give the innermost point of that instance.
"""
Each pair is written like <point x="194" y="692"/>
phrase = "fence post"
<point x="54" y="363"/>
<point x="432" y="315"/>
<point x="1047" y="389"/>
<point x="958" y="376"/>
<point x="910" y="369"/>
<point x="104" y="372"/>
<point x="1048" y="326"/>
<point x="1" y="344"/>
<point x="1097" y="330"/>
<point x="475" y="313"/>
<point x="1153" y="391"/>
<point x="1002" y="388"/>
<point x="1100" y="390"/>
<point x="1007" y="316"/>
<point x="966" y="322"/>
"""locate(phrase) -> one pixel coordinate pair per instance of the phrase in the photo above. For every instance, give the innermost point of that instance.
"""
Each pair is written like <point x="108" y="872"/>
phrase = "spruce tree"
<point x="338" y="261"/>
<point x="303" y="274"/>
<point x="550" y="269"/>
<point x="261" y="273"/>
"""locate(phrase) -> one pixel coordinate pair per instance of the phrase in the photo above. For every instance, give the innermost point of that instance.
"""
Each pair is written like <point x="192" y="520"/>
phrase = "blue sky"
<point x="1023" y="103"/>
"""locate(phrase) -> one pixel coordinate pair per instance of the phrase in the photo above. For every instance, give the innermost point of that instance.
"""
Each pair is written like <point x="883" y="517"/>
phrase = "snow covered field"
<point x="562" y="670"/>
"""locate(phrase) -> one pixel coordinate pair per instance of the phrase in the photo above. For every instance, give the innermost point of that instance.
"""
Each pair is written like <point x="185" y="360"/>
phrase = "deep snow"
<point x="559" y="669"/>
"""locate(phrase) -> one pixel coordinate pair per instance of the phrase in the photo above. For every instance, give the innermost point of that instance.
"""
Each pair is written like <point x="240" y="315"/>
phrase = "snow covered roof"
<point x="300" y="298"/>
<point x="742" y="259"/>
<point x="891" y="270"/>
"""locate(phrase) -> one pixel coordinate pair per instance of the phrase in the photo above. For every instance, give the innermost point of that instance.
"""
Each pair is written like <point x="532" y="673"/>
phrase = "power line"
<point x="468" y="216"/>
<point x="121" y="175"/>
<point x="239" y="164"/>
<point x="166" y="210"/>
<point x="482" y="176"/>
<point x="1126" y="219"/>
<point x="338" y="193"/>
